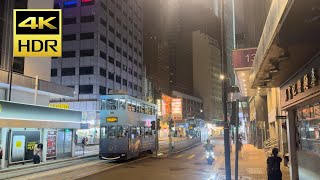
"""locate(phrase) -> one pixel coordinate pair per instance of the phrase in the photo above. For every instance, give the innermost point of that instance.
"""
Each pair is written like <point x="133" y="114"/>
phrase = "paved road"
<point x="188" y="165"/>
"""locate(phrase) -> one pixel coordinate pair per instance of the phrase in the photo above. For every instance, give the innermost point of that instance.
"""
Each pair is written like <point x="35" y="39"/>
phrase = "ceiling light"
<point x="244" y="80"/>
<point x="242" y="74"/>
<point x="259" y="88"/>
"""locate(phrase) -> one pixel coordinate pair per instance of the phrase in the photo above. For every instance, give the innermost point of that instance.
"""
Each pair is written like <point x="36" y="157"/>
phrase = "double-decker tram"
<point x="126" y="127"/>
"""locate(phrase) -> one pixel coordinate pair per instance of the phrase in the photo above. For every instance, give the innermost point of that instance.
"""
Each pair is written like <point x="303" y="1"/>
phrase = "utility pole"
<point x="224" y="72"/>
<point x="236" y="139"/>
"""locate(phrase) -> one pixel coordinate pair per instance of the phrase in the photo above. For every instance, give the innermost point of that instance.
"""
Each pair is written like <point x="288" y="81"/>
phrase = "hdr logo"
<point x="37" y="33"/>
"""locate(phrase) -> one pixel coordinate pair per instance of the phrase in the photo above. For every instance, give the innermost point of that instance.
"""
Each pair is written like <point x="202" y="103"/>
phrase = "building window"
<point x="118" y="79"/>
<point x="54" y="72"/>
<point x="130" y="71"/>
<point x="140" y="77"/>
<point x="135" y="50"/>
<point x="70" y="4"/>
<point x="118" y="21"/>
<point x="135" y="74"/>
<point x="86" y="70"/>
<point x="102" y="90"/>
<point x="140" y="65"/>
<point x="103" y="38"/>
<point x="111" y="44"/>
<point x="103" y="55"/>
<point x="111" y="76"/>
<point x="124" y="82"/>
<point x="124" y="67"/>
<point x="118" y="64"/>
<point x="125" y="40"/>
<point x="71" y="20"/>
<point x="69" y="37"/>
<point x="85" y="89"/>
<point x="130" y="45"/>
<point x="111" y="60"/>
<point x="68" y="54"/>
<point x="87" y="52"/>
<point x="125" y="27"/>
<point x="119" y="50"/>
<point x="85" y="19"/>
<point x="135" y="87"/>
<point x="111" y="29"/>
<point x="103" y="72"/>
<point x="111" y="13"/>
<point x="130" y="58"/>
<point x="89" y="35"/>
<point x="130" y="33"/>
<point x="103" y="22"/>
<point x="140" y="54"/>
<point x="125" y="14"/>
<point x="87" y="2"/>
<point x="135" y="37"/>
<point x="124" y="54"/>
<point x="68" y="71"/>
<point x="130" y="85"/>
<point x="104" y="7"/>
<point x="118" y="6"/>
<point x="135" y="62"/>
<point x="140" y="89"/>
<point x="140" y="42"/>
<point x="118" y="35"/>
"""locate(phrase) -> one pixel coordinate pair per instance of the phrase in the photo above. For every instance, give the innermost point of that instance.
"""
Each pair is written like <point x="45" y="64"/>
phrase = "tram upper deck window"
<point x="122" y="103"/>
<point x="103" y="104"/>
<point x="142" y="108"/>
<point x="138" y="107"/>
<point x="112" y="104"/>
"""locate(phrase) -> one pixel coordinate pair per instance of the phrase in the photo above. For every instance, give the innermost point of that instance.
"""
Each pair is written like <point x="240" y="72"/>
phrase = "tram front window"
<point x="112" y="131"/>
<point x="112" y="104"/>
<point x="122" y="131"/>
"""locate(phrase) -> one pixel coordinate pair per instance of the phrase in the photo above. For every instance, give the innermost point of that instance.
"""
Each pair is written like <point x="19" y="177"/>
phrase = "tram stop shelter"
<point x="22" y="126"/>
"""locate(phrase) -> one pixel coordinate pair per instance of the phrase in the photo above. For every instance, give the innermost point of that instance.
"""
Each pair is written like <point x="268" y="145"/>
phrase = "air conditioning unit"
<point x="124" y="92"/>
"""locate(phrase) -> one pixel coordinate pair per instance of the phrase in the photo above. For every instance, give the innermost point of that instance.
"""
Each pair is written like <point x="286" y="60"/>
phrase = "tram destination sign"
<point x="112" y="119"/>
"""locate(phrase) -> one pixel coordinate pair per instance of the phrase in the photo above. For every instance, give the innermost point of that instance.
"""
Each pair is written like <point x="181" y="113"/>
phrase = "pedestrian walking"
<point x="86" y="141"/>
<point x="37" y="152"/>
<point x="273" y="165"/>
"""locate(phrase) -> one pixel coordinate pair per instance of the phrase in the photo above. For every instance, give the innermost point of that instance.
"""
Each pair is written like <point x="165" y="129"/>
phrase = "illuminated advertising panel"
<point x="159" y="104"/>
<point x="166" y="105"/>
<point x="176" y="107"/>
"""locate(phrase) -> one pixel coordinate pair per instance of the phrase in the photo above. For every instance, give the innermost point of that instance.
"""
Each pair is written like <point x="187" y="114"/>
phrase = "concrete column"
<point x="44" y="137"/>
<point x="5" y="148"/>
<point x="73" y="145"/>
<point x="291" y="131"/>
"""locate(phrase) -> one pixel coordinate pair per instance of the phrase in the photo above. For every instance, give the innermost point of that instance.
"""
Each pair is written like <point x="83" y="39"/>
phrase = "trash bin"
<point x="286" y="159"/>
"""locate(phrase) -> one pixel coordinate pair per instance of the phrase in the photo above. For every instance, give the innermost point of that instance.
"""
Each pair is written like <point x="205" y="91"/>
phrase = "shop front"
<point x="23" y="127"/>
<point x="300" y="101"/>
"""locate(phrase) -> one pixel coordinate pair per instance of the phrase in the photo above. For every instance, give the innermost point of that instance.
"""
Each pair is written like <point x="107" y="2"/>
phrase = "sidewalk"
<point x="253" y="165"/>
<point x="87" y="151"/>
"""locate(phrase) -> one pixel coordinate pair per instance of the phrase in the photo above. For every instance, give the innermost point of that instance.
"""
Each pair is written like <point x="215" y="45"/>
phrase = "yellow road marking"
<point x="192" y="156"/>
<point x="179" y="156"/>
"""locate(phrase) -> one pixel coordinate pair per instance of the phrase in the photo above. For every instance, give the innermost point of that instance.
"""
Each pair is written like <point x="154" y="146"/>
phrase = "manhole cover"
<point x="255" y="170"/>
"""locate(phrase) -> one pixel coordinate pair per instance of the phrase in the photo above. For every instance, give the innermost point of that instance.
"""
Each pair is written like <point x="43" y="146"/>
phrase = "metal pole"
<point x="157" y="136"/>
<point x="10" y="80"/>
<point x="237" y="140"/>
<point x="224" y="99"/>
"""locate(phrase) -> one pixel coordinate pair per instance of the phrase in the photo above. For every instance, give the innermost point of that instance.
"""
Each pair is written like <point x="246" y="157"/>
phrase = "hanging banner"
<point x="52" y="144"/>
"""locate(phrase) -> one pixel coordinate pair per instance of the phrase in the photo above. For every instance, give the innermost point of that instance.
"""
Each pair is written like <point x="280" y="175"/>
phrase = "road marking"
<point x="192" y="156"/>
<point x="179" y="156"/>
<point x="203" y="157"/>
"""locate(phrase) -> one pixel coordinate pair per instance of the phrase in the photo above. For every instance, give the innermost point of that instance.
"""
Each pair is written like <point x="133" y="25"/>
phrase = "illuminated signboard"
<point x="176" y="107"/>
<point x="59" y="106"/>
<point x="166" y="105"/>
<point x="112" y="119"/>
<point x="243" y="58"/>
<point x="159" y="107"/>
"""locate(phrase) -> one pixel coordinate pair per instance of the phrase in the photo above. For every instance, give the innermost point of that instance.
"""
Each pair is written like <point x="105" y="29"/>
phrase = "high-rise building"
<point x="156" y="50"/>
<point x="102" y="51"/>
<point x="206" y="73"/>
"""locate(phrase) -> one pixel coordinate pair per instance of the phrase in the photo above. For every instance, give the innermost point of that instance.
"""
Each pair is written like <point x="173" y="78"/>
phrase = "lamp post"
<point x="224" y="98"/>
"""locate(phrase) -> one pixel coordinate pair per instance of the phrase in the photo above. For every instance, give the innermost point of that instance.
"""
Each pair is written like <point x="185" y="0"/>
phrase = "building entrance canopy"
<point x="31" y="116"/>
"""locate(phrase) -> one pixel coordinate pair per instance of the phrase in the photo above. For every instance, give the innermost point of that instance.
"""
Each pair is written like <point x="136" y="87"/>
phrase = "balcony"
<point x="26" y="83"/>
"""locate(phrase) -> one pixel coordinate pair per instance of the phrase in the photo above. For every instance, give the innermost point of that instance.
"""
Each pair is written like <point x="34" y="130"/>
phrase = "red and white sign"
<point x="243" y="58"/>
<point x="176" y="108"/>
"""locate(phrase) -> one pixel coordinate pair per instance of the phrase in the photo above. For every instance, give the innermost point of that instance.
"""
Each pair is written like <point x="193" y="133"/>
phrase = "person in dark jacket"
<point x="273" y="163"/>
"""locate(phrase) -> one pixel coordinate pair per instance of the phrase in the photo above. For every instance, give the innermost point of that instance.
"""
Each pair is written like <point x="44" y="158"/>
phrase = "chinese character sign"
<point x="166" y="105"/>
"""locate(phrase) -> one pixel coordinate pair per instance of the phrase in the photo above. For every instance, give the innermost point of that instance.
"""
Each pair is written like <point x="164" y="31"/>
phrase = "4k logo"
<point x="37" y="33"/>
